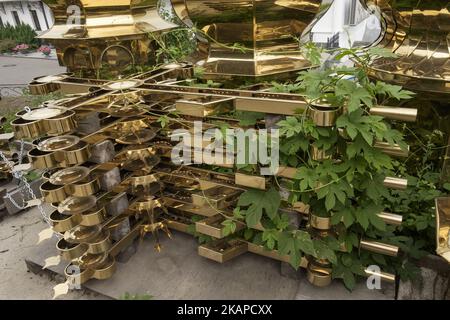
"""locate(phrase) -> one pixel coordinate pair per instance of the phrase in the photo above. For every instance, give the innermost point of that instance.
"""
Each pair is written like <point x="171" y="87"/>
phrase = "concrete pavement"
<point x="21" y="70"/>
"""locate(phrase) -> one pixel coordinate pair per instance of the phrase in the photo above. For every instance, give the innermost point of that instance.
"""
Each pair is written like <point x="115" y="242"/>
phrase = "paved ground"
<point x="178" y="272"/>
<point x="20" y="71"/>
<point x="18" y="236"/>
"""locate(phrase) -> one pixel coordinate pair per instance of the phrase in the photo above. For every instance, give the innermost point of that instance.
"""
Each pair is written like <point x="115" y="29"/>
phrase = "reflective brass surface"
<point x="110" y="33"/>
<point x="213" y="227"/>
<point x="395" y="183"/>
<point x="390" y="218"/>
<point x="318" y="275"/>
<point x="44" y="113"/>
<point x="64" y="123"/>
<point x="26" y="129"/>
<point x="82" y="189"/>
<point x="100" y="244"/>
<point x="264" y="28"/>
<point x="78" y="154"/>
<point x="384" y="276"/>
<point x="41" y="160"/>
<point x="93" y="217"/>
<point x="323" y="117"/>
<point x="58" y="143"/>
<point x="69" y="175"/>
<point x="63" y="223"/>
<point x="443" y="227"/>
<point x="74" y="205"/>
<point x="417" y="31"/>
<point x="378" y="247"/>
<point x="53" y="193"/>
<point x="392" y="150"/>
<point x="321" y="223"/>
<point x="222" y="250"/>
<point x="392" y="113"/>
<point x="70" y="251"/>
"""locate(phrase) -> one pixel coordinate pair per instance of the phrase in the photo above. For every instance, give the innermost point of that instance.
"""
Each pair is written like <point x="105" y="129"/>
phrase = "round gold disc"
<point x="44" y="113"/>
<point x="137" y="137"/>
<point x="58" y="143"/>
<point x="69" y="175"/>
<point x="74" y="205"/>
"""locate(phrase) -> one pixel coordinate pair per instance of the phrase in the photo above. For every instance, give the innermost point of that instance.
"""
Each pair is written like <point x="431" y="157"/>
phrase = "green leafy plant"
<point x="345" y="184"/>
<point x="21" y="33"/>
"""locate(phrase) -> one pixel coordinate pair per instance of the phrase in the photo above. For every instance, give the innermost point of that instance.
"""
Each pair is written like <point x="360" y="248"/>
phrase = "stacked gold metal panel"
<point x="89" y="35"/>
<point x="265" y="31"/>
<point x="418" y="32"/>
<point x="158" y="193"/>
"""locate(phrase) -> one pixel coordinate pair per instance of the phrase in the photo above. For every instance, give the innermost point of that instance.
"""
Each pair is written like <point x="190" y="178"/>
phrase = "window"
<point x="16" y="18"/>
<point x="350" y="12"/>
<point x="34" y="15"/>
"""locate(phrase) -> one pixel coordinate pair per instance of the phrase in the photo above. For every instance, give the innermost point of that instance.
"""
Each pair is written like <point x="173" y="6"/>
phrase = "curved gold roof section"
<point x="418" y="32"/>
<point x="264" y="29"/>
<point x="104" y="19"/>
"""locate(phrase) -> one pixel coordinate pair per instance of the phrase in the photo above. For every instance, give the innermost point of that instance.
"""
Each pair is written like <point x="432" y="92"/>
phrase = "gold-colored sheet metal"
<point x="418" y="32"/>
<point x="265" y="30"/>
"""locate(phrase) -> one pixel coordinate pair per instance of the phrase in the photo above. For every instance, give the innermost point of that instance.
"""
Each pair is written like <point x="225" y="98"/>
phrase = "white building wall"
<point x="364" y="29"/>
<point x="23" y="11"/>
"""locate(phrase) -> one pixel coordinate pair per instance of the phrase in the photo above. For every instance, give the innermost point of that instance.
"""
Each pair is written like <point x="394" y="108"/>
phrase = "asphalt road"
<point x="20" y="71"/>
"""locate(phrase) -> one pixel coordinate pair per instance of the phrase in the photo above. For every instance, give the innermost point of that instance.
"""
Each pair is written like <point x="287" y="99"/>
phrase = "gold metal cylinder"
<point x="82" y="189"/>
<point x="394" y="150"/>
<point x="42" y="88"/>
<point x="61" y="124"/>
<point x="317" y="275"/>
<point x="40" y="159"/>
<point x="26" y="129"/>
<point x="319" y="154"/>
<point x="384" y="276"/>
<point x="70" y="251"/>
<point x="321" y="223"/>
<point x="77" y="154"/>
<point x="395" y="183"/>
<point x="390" y="218"/>
<point x="100" y="244"/>
<point x="402" y="114"/>
<point x="52" y="193"/>
<point x="105" y="270"/>
<point x="62" y="223"/>
<point x="74" y="274"/>
<point x="93" y="217"/>
<point x="378" y="247"/>
<point x="323" y="117"/>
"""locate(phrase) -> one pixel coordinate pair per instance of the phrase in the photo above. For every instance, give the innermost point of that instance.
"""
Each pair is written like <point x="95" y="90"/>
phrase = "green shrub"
<point x="22" y="33"/>
<point x="6" y="45"/>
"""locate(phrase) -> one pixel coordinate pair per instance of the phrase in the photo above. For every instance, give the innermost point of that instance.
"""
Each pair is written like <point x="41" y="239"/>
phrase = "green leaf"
<point x="229" y="227"/>
<point x="270" y="237"/>
<point x="290" y="127"/>
<point x="163" y="121"/>
<point x="248" y="118"/>
<point x="349" y="280"/>
<point x="308" y="178"/>
<point x="248" y="234"/>
<point x="348" y="217"/>
<point x="294" y="144"/>
<point x="377" y="222"/>
<point x="259" y="201"/>
<point x="330" y="201"/>
<point x="323" y="251"/>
